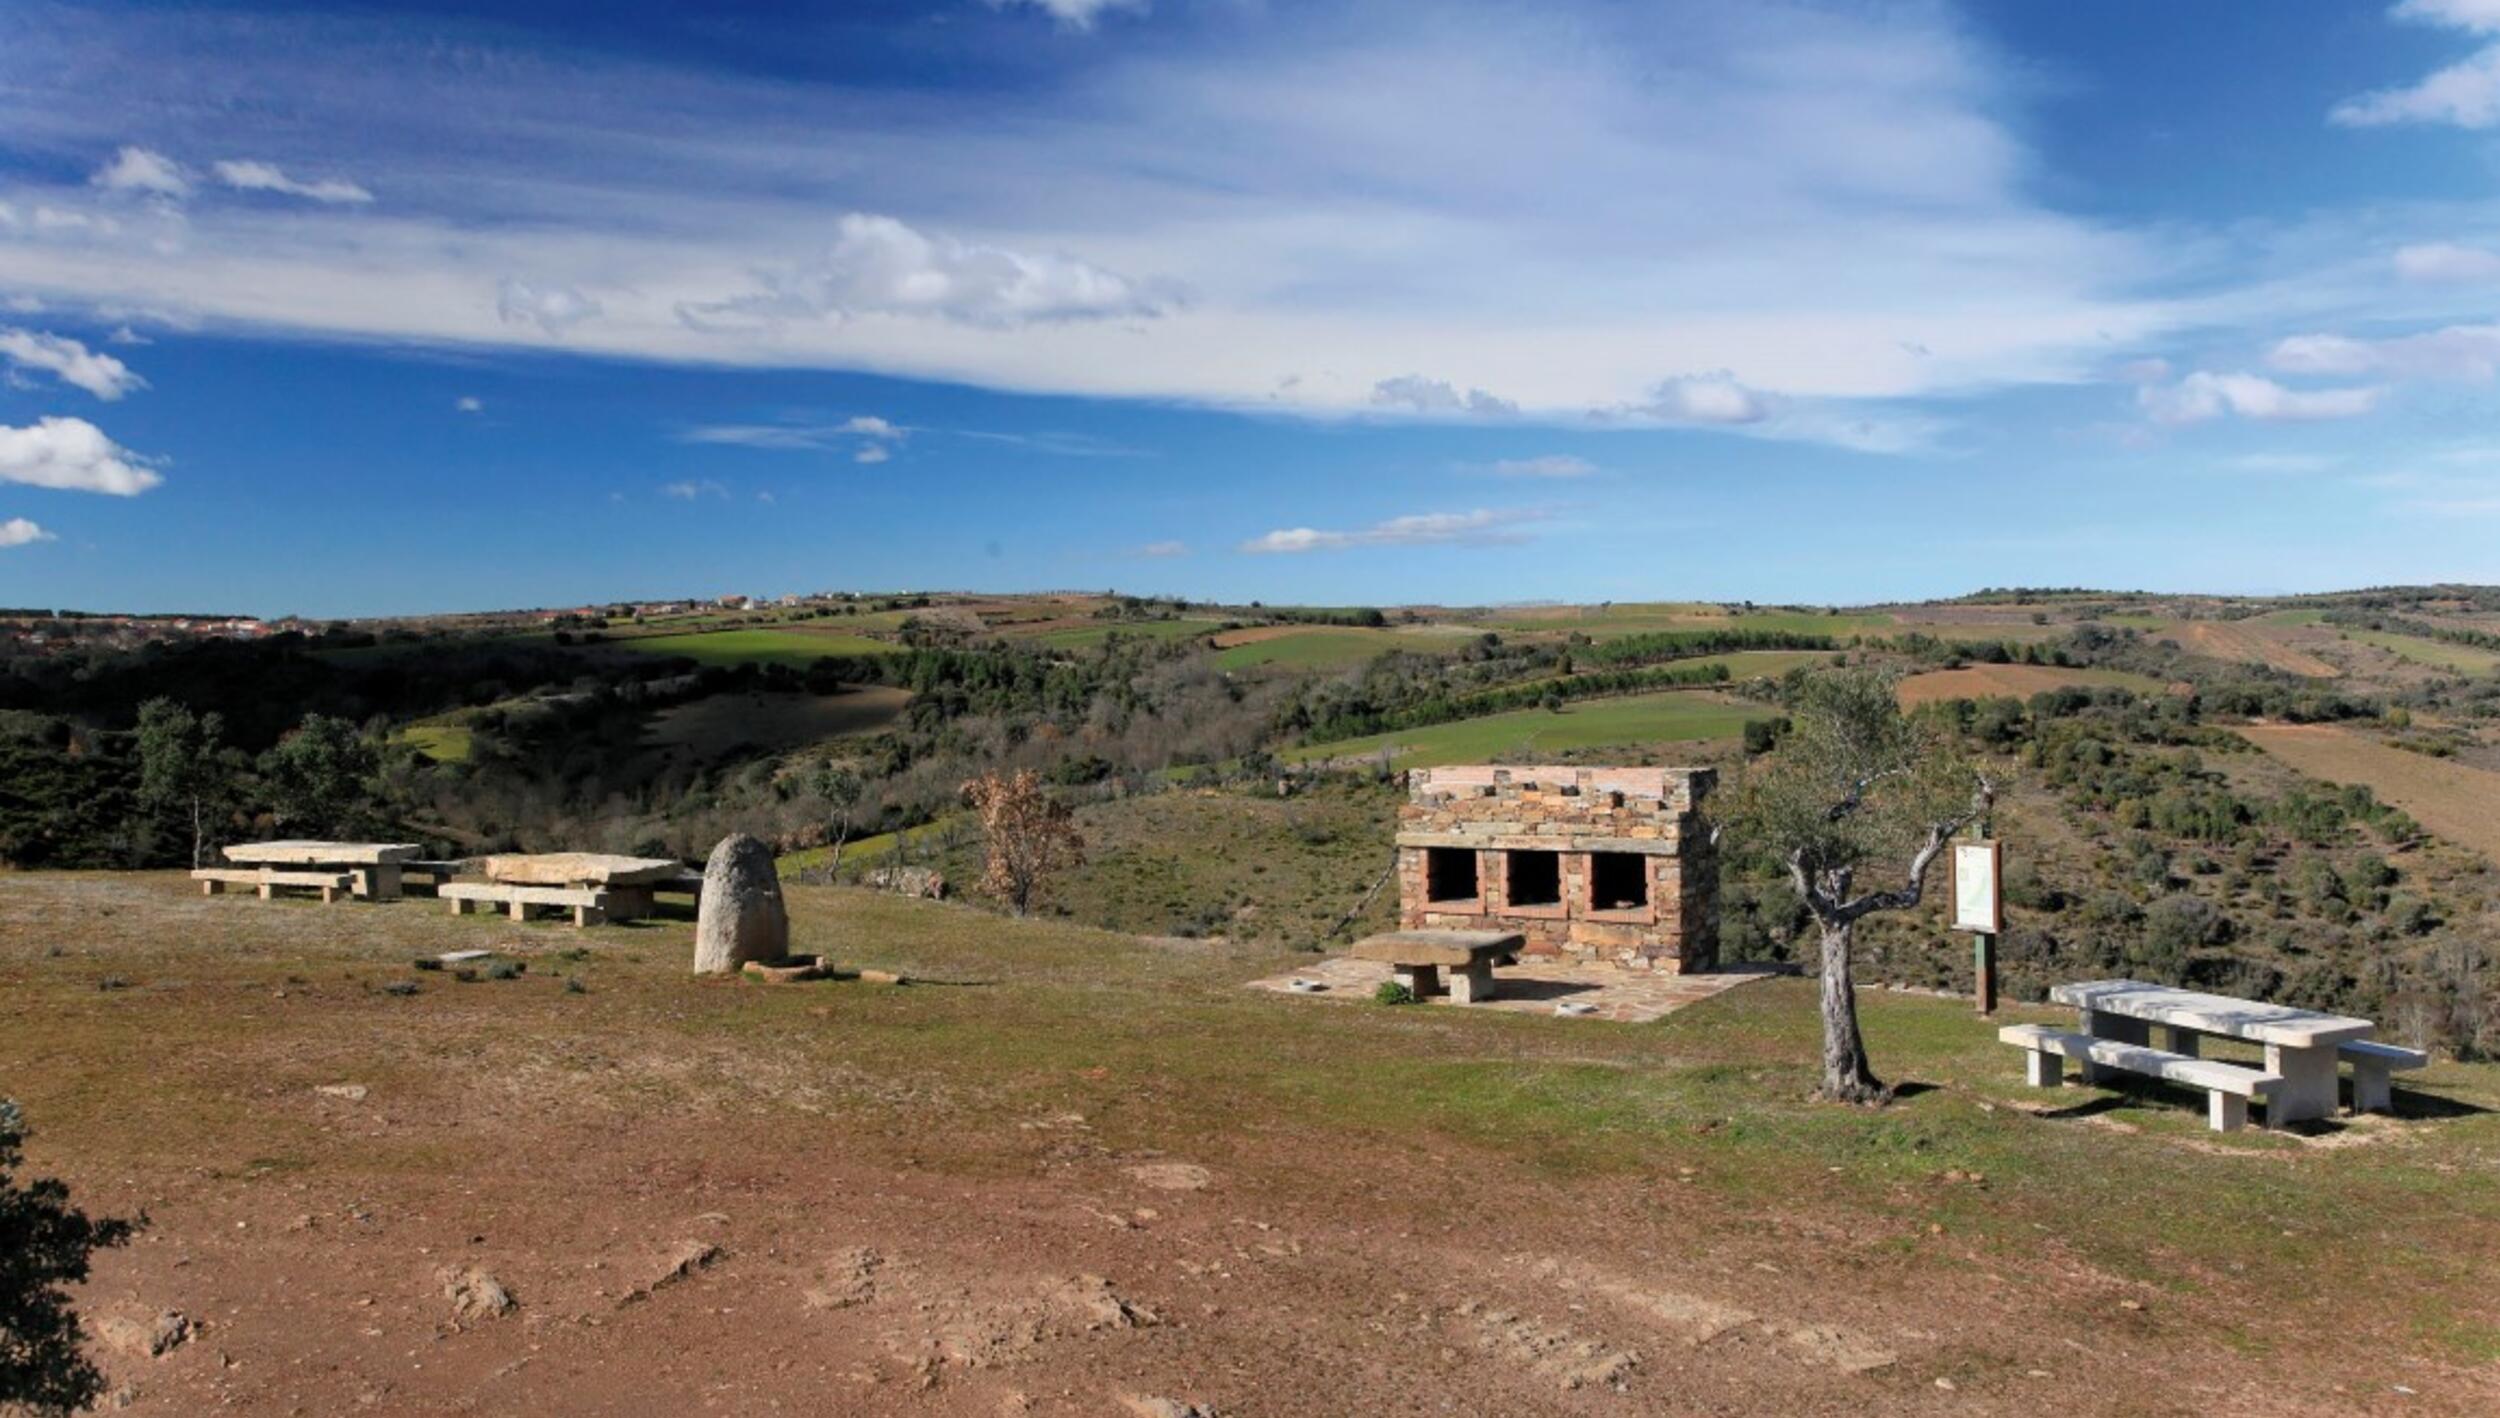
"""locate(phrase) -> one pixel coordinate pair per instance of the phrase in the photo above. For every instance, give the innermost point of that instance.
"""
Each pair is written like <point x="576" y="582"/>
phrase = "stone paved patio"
<point x="1536" y="985"/>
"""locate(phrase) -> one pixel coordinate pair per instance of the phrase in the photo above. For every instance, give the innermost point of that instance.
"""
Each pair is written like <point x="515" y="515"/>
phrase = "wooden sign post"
<point x="1979" y="907"/>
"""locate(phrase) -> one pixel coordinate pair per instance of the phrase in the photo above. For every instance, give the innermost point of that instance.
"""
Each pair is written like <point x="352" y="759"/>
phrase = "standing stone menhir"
<point x="741" y="917"/>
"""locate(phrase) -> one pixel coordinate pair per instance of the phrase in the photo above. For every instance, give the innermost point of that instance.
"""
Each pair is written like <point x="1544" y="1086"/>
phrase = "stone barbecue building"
<point x="1611" y="864"/>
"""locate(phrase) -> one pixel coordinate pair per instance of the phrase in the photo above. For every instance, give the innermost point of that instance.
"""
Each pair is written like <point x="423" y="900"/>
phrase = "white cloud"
<point x="689" y="490"/>
<point x="1074" y="14"/>
<point x="1344" y="195"/>
<point x="18" y="532"/>
<point x="870" y="426"/>
<point x="2207" y="395"/>
<point x="1706" y="398"/>
<point x="72" y="455"/>
<point x="267" y="177"/>
<point x="2144" y="371"/>
<point x="1437" y="396"/>
<point x="70" y="361"/>
<point x="552" y="308"/>
<point x="143" y="170"/>
<point x="1164" y="550"/>
<point x="872" y="453"/>
<point x="796" y="437"/>
<point x="2447" y="263"/>
<point x="2464" y="353"/>
<point x="469" y="404"/>
<point x="2281" y="462"/>
<point x="2465" y="94"/>
<point x="1548" y="465"/>
<point x="1484" y="526"/>
<point x="878" y="266"/>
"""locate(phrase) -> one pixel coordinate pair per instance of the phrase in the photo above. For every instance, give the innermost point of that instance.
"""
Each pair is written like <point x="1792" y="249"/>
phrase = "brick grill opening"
<point x="1618" y="881"/>
<point x="1453" y="874"/>
<point x="1534" y="878"/>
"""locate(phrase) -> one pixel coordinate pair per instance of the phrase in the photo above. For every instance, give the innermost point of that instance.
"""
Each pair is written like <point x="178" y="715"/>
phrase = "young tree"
<point x="842" y="790"/>
<point x="44" y="1246"/>
<point x="183" y="766"/>
<point x="320" y="776"/>
<point x="1853" y="783"/>
<point x="1028" y="835"/>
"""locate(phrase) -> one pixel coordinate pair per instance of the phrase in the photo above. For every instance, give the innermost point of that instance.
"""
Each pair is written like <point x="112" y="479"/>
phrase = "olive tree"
<point x="1855" y="787"/>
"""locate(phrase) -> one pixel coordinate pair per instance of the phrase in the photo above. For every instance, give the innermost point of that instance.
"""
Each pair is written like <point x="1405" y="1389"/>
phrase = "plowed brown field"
<point x="2252" y="644"/>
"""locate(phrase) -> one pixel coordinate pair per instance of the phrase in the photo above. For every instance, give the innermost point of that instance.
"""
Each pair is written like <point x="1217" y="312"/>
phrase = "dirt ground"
<point x="1097" y="1177"/>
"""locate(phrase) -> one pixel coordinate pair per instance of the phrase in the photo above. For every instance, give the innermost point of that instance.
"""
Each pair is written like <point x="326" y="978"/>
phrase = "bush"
<point x="48" y="1245"/>
<point x="1391" y="992"/>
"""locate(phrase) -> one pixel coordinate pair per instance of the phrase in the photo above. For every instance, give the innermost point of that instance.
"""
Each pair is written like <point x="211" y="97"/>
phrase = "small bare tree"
<point x="841" y="788"/>
<point x="1027" y="833"/>
<point x="1857" y="782"/>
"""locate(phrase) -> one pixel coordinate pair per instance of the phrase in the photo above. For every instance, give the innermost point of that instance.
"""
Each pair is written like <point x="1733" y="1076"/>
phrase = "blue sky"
<point x="337" y="309"/>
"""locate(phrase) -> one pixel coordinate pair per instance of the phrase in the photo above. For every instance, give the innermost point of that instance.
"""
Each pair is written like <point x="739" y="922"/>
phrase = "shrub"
<point x="1391" y="992"/>
<point x="49" y="1242"/>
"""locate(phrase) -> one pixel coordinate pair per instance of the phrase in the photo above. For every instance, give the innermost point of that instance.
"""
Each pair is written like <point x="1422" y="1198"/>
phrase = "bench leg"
<point x="1472" y="985"/>
<point x="329" y="894"/>
<point x="2226" y="1112"/>
<point x="268" y="891"/>
<point x="2370" y="1090"/>
<point x="459" y="906"/>
<point x="1422" y="981"/>
<point x="210" y="888"/>
<point x="589" y="916"/>
<point x="381" y="882"/>
<point x="2101" y="1025"/>
<point x="2042" y="1069"/>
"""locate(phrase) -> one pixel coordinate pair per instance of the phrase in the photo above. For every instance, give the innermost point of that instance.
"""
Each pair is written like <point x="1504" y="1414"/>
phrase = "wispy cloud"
<point x="69" y="361"/>
<point x="690" y="489"/>
<point x="1483" y="526"/>
<point x="2467" y="353"/>
<point x="1164" y="550"/>
<point x="2446" y="263"/>
<point x="2206" y="395"/>
<point x="2465" y="94"/>
<point x="18" y="532"/>
<point x="245" y="176"/>
<point x="1437" y="396"/>
<point x="143" y="170"/>
<point x="469" y="404"/>
<point x="1074" y="14"/>
<point x="73" y="455"/>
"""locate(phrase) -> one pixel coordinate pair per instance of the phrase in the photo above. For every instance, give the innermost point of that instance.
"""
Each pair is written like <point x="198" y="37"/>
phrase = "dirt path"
<point x="2453" y="800"/>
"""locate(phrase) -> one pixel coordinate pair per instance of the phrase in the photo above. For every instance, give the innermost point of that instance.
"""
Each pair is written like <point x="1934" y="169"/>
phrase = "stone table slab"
<point x="579" y="869"/>
<point x="306" y="853"/>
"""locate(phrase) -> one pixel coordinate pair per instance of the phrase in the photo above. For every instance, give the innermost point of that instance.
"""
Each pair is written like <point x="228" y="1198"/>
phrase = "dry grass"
<point x="2255" y="644"/>
<point x="2014" y="681"/>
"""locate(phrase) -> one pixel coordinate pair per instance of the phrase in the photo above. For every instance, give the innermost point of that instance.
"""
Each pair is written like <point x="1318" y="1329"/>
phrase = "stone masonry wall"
<point x="1492" y="812"/>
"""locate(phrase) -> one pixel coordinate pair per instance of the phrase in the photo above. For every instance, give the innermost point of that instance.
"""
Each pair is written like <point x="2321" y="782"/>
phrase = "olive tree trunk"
<point x="1847" y="1076"/>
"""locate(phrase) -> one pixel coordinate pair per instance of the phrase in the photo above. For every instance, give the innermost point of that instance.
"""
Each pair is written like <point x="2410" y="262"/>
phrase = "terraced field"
<point x="2439" y="654"/>
<point x="1079" y="637"/>
<point x="1673" y="716"/>
<point x="794" y="646"/>
<point x="1326" y="646"/>
<point x="2252" y="643"/>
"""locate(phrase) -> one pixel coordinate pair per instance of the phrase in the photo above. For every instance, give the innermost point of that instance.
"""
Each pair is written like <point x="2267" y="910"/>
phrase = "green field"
<point x="796" y="648"/>
<point x="2464" y="659"/>
<point x="444" y="743"/>
<point x="1079" y="637"/>
<point x="1669" y="717"/>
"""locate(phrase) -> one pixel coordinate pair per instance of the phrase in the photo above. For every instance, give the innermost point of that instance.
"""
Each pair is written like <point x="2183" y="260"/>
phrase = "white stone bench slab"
<point x="330" y="885"/>
<point x="2228" y="1087"/>
<point x="2372" y="1091"/>
<point x="589" y="904"/>
<point x="213" y="880"/>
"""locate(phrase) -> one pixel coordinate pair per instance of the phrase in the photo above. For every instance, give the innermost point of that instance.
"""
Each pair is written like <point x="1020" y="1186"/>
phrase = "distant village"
<point x="39" y="631"/>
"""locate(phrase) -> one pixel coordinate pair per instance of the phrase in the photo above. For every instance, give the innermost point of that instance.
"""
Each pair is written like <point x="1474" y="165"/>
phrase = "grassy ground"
<point x="442" y="742"/>
<point x="1672" y="716"/>
<point x="1079" y="637"/>
<point x="1628" y="618"/>
<point x="2013" y="1244"/>
<point x="1326" y="646"/>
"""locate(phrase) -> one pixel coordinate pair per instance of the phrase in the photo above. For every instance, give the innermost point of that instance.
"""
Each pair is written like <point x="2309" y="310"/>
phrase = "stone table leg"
<point x="2183" y="1041"/>
<point x="380" y="882"/>
<point x="1473" y="984"/>
<point x="1422" y="981"/>
<point x="2101" y="1024"/>
<point x="2370" y="1090"/>
<point x="2308" y="1089"/>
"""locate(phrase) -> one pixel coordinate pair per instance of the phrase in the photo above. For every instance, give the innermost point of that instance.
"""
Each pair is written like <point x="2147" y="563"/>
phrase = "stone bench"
<point x="589" y="904"/>
<point x="2371" y="1063"/>
<point x="1416" y="959"/>
<point x="214" y="880"/>
<point x="2228" y="1087"/>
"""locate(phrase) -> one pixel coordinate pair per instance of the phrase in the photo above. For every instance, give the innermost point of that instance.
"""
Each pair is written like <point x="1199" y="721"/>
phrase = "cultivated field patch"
<point x="794" y="646"/>
<point x="2250" y="643"/>
<point x="2454" y="800"/>
<point x="2013" y="681"/>
<point x="773" y="722"/>
<point x="1675" y="716"/>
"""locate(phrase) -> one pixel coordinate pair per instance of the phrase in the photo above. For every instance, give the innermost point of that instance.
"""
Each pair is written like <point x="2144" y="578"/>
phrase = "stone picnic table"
<point x="372" y="869"/>
<point x="596" y="886"/>
<point x="2299" y="1082"/>
<point x="1416" y="959"/>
